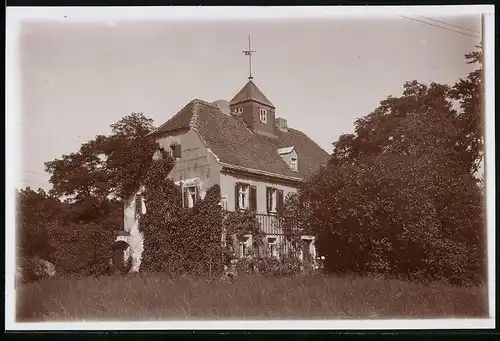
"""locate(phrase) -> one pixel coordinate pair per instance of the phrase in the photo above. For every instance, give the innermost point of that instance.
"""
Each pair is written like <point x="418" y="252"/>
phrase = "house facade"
<point x="255" y="158"/>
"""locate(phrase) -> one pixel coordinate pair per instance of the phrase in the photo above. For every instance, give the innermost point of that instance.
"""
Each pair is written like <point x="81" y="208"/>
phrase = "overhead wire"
<point x="452" y="25"/>
<point x="444" y="28"/>
<point x="32" y="172"/>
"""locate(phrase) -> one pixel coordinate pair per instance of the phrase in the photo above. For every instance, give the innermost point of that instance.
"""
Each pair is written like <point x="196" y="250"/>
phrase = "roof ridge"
<point x="205" y="102"/>
<point x="196" y="109"/>
<point x="167" y="121"/>
<point x="297" y="131"/>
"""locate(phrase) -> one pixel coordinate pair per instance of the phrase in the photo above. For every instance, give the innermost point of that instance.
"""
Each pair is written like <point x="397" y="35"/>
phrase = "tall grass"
<point x="157" y="297"/>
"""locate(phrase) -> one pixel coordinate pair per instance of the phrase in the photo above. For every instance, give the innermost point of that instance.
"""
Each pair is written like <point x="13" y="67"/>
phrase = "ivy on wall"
<point x="180" y="240"/>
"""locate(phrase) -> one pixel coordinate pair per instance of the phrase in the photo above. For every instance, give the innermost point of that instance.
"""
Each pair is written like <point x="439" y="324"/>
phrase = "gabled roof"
<point x="223" y="105"/>
<point x="285" y="150"/>
<point x="251" y="92"/>
<point x="234" y="144"/>
<point x="180" y="120"/>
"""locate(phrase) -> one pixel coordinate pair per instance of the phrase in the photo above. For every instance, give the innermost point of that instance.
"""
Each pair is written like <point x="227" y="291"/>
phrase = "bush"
<point x="399" y="197"/>
<point x="179" y="240"/>
<point x="33" y="269"/>
<point x="81" y="249"/>
<point x="286" y="265"/>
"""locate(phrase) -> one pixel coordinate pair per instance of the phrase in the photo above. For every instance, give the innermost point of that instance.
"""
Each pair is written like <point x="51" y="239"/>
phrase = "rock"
<point x="33" y="269"/>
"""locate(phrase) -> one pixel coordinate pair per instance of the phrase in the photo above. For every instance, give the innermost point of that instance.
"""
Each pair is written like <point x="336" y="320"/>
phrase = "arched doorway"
<point x="119" y="248"/>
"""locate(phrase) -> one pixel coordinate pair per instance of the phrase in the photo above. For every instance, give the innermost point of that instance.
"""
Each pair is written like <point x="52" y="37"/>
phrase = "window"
<point x="190" y="196"/>
<point x="245" y="197"/>
<point x="293" y="164"/>
<point x="271" y="247"/>
<point x="274" y="199"/>
<point x="138" y="206"/>
<point x="244" y="247"/>
<point x="263" y="115"/>
<point x="176" y="151"/>
<point x="159" y="154"/>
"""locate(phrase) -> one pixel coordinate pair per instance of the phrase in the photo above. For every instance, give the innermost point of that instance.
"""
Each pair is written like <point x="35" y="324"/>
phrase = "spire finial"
<point x="249" y="53"/>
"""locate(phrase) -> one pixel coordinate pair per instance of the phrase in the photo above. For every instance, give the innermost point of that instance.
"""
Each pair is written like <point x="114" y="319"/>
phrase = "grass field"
<point x="255" y="297"/>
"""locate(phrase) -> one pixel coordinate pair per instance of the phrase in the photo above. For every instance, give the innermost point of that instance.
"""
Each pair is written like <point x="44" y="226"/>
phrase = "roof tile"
<point x="233" y="143"/>
<point x="251" y="92"/>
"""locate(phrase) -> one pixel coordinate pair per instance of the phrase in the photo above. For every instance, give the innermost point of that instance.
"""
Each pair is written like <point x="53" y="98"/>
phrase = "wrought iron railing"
<point x="273" y="224"/>
<point x="273" y="227"/>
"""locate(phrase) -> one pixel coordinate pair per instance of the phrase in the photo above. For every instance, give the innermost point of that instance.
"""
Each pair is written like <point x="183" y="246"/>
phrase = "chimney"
<point x="281" y="124"/>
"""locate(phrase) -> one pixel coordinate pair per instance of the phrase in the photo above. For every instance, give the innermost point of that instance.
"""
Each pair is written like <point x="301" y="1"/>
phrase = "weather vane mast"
<point x="249" y="53"/>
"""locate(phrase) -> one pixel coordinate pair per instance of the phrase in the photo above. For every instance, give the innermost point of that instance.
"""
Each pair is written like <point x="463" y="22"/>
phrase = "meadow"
<point x="157" y="297"/>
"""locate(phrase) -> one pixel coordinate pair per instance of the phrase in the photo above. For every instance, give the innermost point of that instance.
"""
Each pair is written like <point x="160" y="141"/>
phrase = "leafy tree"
<point x="469" y="94"/>
<point x="36" y="211"/>
<point x="399" y="196"/>
<point x="73" y="224"/>
<point x="107" y="165"/>
<point x="82" y="249"/>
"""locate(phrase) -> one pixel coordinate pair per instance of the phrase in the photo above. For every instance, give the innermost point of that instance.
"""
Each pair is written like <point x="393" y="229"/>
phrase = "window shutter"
<point x="236" y="201"/>
<point x="253" y="198"/>
<point x="268" y="199"/>
<point x="279" y="205"/>
<point x="185" y="199"/>
<point x="197" y="193"/>
<point x="176" y="150"/>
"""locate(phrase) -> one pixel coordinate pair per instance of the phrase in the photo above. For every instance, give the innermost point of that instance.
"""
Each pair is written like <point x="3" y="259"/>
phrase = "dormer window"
<point x="263" y="115"/>
<point x="290" y="156"/>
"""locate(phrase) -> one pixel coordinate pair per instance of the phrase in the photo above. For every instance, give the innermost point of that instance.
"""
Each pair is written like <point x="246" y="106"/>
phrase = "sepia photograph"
<point x="250" y="166"/>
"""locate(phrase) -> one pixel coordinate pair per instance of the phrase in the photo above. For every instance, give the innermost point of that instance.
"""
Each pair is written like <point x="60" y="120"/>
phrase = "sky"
<point x="321" y="75"/>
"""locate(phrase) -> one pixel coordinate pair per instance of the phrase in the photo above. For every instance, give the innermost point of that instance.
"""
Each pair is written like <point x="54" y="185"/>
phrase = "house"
<point x="242" y="146"/>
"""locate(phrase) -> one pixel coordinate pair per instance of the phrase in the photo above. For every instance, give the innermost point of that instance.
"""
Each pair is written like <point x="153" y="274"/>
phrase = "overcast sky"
<point x="77" y="79"/>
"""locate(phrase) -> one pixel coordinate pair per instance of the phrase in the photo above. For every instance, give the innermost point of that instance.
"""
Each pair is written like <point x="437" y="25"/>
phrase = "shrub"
<point x="81" y="249"/>
<point x="179" y="240"/>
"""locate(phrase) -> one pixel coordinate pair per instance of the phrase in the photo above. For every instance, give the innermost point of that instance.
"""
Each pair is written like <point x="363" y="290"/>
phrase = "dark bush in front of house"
<point x="401" y="196"/>
<point x="286" y="265"/>
<point x="179" y="240"/>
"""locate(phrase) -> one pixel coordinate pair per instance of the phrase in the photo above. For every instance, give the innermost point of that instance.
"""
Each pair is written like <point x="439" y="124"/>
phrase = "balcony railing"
<point x="272" y="224"/>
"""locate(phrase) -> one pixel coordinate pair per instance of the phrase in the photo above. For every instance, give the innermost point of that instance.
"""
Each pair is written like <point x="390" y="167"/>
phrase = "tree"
<point x="82" y="249"/>
<point x="469" y="93"/>
<point x="399" y="196"/>
<point x="107" y="165"/>
<point x="36" y="211"/>
<point x="73" y="225"/>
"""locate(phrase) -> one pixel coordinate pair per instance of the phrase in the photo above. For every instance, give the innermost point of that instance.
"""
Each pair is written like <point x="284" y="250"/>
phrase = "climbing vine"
<point x="179" y="240"/>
